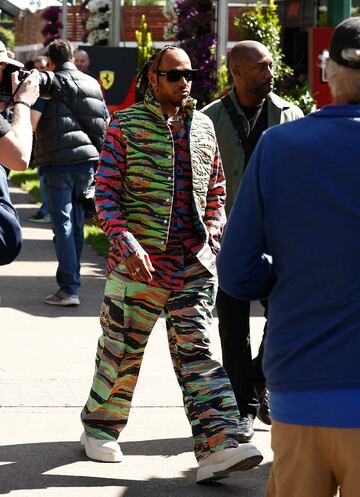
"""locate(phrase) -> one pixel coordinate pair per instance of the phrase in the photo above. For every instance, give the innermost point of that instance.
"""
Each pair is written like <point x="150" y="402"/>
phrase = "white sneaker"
<point x="218" y="465"/>
<point x="101" y="449"/>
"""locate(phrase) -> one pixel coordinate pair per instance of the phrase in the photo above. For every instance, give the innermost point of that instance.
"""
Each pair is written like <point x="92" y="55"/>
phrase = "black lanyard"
<point x="238" y="126"/>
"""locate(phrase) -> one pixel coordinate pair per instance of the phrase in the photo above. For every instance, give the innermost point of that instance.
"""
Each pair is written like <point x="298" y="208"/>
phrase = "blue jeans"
<point x="43" y="210"/>
<point x="64" y="187"/>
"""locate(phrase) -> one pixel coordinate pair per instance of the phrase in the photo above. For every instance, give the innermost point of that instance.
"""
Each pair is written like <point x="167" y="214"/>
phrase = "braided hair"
<point x="152" y="64"/>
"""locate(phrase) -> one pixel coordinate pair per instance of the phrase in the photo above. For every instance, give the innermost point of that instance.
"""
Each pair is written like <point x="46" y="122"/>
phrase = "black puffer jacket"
<point x="72" y="126"/>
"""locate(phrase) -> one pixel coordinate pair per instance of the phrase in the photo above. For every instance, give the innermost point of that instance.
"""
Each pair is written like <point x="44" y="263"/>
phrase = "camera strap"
<point x="238" y="126"/>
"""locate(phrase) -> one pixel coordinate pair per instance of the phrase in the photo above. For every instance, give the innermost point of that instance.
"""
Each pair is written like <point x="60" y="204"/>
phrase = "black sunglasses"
<point x="174" y="75"/>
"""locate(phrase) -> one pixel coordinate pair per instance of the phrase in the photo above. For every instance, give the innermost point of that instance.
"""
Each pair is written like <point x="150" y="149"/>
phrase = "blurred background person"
<point x="41" y="63"/>
<point x="82" y="61"/>
<point x="69" y="130"/>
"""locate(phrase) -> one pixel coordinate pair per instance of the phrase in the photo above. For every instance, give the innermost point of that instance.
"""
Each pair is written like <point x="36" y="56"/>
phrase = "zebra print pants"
<point x="129" y="312"/>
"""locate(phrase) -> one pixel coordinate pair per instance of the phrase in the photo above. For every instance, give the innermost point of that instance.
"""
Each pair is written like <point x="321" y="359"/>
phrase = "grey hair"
<point x="344" y="82"/>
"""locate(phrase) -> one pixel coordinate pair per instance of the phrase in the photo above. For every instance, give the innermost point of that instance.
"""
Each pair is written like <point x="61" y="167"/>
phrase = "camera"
<point x="47" y="82"/>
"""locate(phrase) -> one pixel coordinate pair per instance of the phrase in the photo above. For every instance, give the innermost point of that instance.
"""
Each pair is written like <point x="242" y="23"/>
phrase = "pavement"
<point x="47" y="362"/>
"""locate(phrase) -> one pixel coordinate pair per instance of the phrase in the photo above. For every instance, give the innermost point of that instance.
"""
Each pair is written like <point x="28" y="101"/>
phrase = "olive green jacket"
<point x="231" y="151"/>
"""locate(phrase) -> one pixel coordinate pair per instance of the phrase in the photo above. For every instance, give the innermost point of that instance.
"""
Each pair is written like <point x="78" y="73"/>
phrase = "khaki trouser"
<point x="310" y="461"/>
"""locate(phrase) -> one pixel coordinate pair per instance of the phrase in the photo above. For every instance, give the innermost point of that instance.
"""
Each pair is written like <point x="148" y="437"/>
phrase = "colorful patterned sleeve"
<point x="215" y="217"/>
<point x="109" y="186"/>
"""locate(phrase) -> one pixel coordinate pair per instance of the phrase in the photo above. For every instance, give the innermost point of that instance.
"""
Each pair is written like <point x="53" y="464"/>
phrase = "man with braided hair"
<point x="160" y="195"/>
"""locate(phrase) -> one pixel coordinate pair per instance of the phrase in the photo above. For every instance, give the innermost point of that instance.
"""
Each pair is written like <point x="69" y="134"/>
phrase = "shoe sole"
<point x="249" y="463"/>
<point x="210" y="474"/>
<point x="242" y="439"/>
<point x="264" y="419"/>
<point x="38" y="221"/>
<point x="110" y="457"/>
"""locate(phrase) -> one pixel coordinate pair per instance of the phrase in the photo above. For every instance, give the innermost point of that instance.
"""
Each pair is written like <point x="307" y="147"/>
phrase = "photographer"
<point x="10" y="231"/>
<point x="15" y="150"/>
<point x="69" y="129"/>
<point x="16" y="139"/>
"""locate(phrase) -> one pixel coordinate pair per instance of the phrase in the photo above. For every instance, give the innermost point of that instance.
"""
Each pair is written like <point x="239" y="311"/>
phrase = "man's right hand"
<point x="28" y="91"/>
<point x="139" y="266"/>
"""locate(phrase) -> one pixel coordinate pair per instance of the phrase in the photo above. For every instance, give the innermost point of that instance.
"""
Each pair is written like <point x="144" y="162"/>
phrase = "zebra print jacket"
<point x="135" y="182"/>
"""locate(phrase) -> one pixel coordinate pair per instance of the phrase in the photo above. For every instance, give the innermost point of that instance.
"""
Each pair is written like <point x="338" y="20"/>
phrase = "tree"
<point x="97" y="24"/>
<point x="52" y="29"/>
<point x="145" y="49"/>
<point x="145" y="46"/>
<point x="7" y="36"/>
<point x="196" y="19"/>
<point x="145" y="2"/>
<point x="262" y="24"/>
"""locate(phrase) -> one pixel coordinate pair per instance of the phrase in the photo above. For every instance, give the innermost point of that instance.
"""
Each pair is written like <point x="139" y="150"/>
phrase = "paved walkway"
<point x="46" y="360"/>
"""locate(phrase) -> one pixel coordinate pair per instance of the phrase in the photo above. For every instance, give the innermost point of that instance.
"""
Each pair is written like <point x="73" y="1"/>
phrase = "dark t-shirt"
<point x="39" y="105"/>
<point x="258" y="120"/>
<point x="4" y="126"/>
